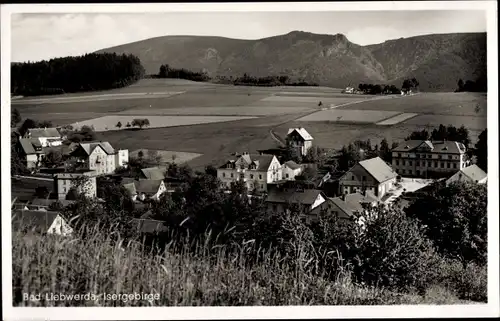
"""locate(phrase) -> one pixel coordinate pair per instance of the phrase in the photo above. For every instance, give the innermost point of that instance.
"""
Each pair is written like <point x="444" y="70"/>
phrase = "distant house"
<point x="425" y="158"/>
<point x="300" y="139"/>
<point x="290" y="169"/>
<point x="48" y="222"/>
<point x="280" y="199"/>
<point x="155" y="173"/>
<point x="144" y="189"/>
<point x="352" y="205"/>
<point x="31" y="151"/>
<point x="100" y="156"/>
<point x="47" y="136"/>
<point x="368" y="175"/>
<point x="65" y="182"/>
<point x="471" y="174"/>
<point x="349" y="90"/>
<point x="256" y="171"/>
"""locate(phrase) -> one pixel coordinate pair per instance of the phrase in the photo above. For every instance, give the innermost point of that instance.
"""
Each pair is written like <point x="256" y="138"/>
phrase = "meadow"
<point x="255" y="111"/>
<point x="167" y="155"/>
<point x="208" y="277"/>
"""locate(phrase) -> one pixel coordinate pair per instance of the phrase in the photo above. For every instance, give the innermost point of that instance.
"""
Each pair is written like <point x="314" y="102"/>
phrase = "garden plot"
<point x="397" y="119"/>
<point x="219" y="111"/>
<point x="167" y="156"/>
<point x="350" y="116"/>
<point x="109" y="122"/>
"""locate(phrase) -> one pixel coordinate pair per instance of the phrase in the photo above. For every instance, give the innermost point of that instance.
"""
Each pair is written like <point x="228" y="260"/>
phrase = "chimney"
<point x="342" y="197"/>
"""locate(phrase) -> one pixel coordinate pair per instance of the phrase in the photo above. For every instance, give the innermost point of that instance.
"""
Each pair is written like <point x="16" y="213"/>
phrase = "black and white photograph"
<point x="281" y="156"/>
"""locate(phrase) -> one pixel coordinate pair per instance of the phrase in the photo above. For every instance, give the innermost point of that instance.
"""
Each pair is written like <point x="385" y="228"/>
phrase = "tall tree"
<point x="15" y="117"/>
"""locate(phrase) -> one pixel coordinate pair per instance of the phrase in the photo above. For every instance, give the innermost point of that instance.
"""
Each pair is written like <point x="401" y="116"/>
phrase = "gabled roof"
<point x="261" y="161"/>
<point x="153" y="173"/>
<point x="474" y="173"/>
<point x="343" y="206"/>
<point x="43" y="132"/>
<point x="28" y="145"/>
<point x="445" y="147"/>
<point x="379" y="169"/>
<point x="293" y="196"/>
<point x="148" y="186"/>
<point x="292" y="165"/>
<point x="353" y="202"/>
<point x="39" y="221"/>
<point x="149" y="226"/>
<point x="302" y="132"/>
<point x="88" y="148"/>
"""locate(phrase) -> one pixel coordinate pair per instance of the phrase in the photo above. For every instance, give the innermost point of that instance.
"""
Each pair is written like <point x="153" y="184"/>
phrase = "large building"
<point x="66" y="182"/>
<point x="300" y="139"/>
<point x="372" y="175"/>
<point x="100" y="156"/>
<point x="423" y="158"/>
<point x="257" y="171"/>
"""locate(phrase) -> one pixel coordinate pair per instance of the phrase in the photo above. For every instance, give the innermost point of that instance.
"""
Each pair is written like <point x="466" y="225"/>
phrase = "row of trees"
<point x="168" y="72"/>
<point x="443" y="132"/>
<point x="247" y="80"/>
<point x="137" y="122"/>
<point x="371" y="89"/>
<point x="409" y="84"/>
<point x="480" y="85"/>
<point x="75" y="74"/>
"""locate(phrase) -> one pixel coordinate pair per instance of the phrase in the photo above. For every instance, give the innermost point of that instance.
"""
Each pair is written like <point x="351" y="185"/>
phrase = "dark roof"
<point x="149" y="226"/>
<point x="43" y="132"/>
<point x="28" y="145"/>
<point x="153" y="173"/>
<point x="148" y="186"/>
<point x="291" y="164"/>
<point x="302" y="133"/>
<point x="353" y="202"/>
<point x="130" y="187"/>
<point x="294" y="196"/>
<point x="443" y="147"/>
<point x="88" y="148"/>
<point x="379" y="169"/>
<point x="262" y="161"/>
<point x="40" y="221"/>
<point x="343" y="206"/>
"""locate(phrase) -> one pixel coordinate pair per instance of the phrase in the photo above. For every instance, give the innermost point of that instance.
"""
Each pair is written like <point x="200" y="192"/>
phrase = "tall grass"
<point x="208" y="276"/>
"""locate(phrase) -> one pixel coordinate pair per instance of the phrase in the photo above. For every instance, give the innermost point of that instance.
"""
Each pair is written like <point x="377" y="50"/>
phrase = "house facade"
<point x="100" y="157"/>
<point x="48" y="222"/>
<point x="48" y="137"/>
<point x="290" y="169"/>
<point x="279" y="200"/>
<point x="470" y="174"/>
<point x="372" y="175"/>
<point x="32" y="152"/>
<point x="256" y="171"/>
<point x="423" y="158"/>
<point x="300" y="139"/>
<point x="149" y="189"/>
<point x="64" y="182"/>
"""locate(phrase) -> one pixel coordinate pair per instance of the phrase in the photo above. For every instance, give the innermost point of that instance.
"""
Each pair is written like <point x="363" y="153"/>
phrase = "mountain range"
<point x="438" y="61"/>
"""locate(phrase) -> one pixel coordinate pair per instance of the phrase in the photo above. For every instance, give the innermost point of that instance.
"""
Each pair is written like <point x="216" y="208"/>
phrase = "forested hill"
<point x="438" y="61"/>
<point x="96" y="71"/>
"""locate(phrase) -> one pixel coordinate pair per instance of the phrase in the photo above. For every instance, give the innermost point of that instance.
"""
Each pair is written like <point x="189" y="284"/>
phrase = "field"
<point x="255" y="111"/>
<point x="167" y="155"/>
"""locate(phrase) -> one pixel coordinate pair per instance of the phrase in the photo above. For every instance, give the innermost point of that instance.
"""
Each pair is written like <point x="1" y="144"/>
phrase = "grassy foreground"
<point x="223" y="278"/>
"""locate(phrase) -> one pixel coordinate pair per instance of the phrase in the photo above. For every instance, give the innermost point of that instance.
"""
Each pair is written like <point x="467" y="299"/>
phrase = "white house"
<point x="290" y="169"/>
<point x="279" y="199"/>
<point x="299" y="138"/>
<point x="143" y="189"/>
<point x="41" y="222"/>
<point x="64" y="182"/>
<point x="257" y="171"/>
<point x="471" y="174"/>
<point x="100" y="156"/>
<point x="47" y="136"/>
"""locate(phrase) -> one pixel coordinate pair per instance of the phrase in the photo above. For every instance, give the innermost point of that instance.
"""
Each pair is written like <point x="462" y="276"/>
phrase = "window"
<point x="287" y="175"/>
<point x="251" y="176"/>
<point x="404" y="171"/>
<point x="439" y="156"/>
<point x="404" y="162"/>
<point x="223" y="174"/>
<point x="409" y="172"/>
<point x="454" y="165"/>
<point x="242" y="175"/>
<point x="429" y="164"/>
<point x="411" y="163"/>
<point x="262" y="186"/>
<point x="232" y="175"/>
<point x="397" y="162"/>
<point x="399" y="154"/>
<point x="442" y="164"/>
<point x="448" y="165"/>
<point x="418" y="173"/>
<point x="417" y="163"/>
<point x="436" y="164"/>
<point x="364" y="178"/>
<point x="352" y="177"/>
<point x="260" y="177"/>
<point x="418" y="155"/>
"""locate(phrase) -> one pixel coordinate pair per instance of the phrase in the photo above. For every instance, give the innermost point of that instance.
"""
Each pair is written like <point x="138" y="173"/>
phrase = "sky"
<point x="38" y="36"/>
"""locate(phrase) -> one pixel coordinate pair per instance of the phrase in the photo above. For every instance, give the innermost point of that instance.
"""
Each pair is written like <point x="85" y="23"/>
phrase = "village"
<point x="270" y="175"/>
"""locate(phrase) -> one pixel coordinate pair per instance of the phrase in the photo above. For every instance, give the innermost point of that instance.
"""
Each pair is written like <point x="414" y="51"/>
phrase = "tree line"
<point x="168" y="72"/>
<point x="377" y="89"/>
<point x="89" y="72"/>
<point x="480" y="85"/>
